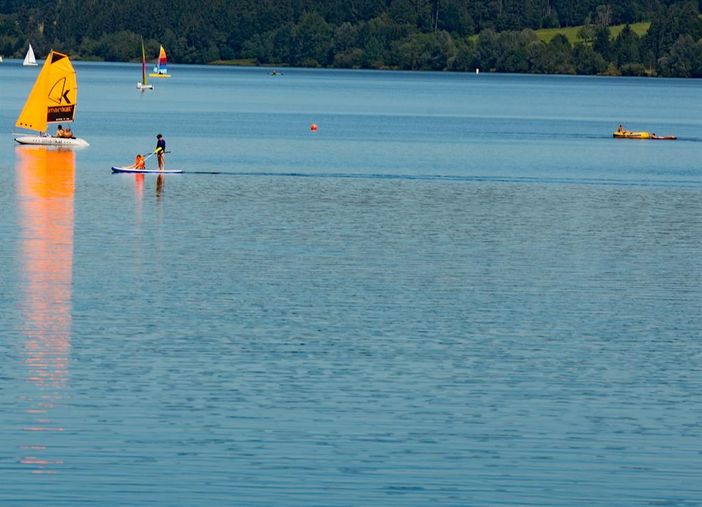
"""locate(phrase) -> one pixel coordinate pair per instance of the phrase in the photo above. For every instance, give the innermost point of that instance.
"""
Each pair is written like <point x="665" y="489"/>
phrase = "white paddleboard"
<point x="144" y="171"/>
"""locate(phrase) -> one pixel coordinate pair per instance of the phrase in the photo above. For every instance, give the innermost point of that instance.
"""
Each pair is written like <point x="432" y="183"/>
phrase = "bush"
<point x="633" y="69"/>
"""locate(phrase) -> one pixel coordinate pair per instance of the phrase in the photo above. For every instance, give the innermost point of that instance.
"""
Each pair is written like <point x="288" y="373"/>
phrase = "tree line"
<point x="459" y="35"/>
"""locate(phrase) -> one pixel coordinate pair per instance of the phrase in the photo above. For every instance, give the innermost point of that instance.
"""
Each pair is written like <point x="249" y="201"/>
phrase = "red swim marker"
<point x="313" y="127"/>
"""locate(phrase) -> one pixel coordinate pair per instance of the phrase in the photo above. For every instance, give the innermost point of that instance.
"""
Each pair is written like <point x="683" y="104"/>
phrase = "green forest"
<point x="443" y="35"/>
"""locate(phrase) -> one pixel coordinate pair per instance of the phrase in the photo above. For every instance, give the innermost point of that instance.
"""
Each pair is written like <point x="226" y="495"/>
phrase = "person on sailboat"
<point x="160" y="152"/>
<point x="64" y="133"/>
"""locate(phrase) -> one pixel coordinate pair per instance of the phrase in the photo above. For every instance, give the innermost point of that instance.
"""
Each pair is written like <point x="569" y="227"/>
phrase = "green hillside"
<point x="664" y="38"/>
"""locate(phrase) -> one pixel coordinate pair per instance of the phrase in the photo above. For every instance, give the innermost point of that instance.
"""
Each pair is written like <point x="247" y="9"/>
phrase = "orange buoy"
<point x="313" y="127"/>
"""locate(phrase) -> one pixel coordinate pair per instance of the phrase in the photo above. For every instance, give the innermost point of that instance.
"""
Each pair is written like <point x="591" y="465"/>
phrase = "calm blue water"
<point x="459" y="291"/>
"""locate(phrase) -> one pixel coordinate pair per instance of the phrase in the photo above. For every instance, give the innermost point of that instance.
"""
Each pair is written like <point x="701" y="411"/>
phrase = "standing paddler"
<point x="160" y="152"/>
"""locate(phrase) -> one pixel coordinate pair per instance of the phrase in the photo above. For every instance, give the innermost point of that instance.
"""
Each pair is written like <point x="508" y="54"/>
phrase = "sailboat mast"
<point x="143" y="63"/>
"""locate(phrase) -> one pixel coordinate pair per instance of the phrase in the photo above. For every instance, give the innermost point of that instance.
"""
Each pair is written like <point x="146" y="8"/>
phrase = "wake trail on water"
<point x="467" y="179"/>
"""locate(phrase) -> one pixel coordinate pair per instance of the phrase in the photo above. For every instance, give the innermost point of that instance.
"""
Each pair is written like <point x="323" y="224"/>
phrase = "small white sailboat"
<point x="29" y="59"/>
<point x="53" y="99"/>
<point x="0" y="58"/>
<point x="143" y="84"/>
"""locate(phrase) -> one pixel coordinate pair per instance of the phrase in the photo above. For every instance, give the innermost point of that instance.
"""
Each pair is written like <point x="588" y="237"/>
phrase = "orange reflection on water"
<point x="45" y="192"/>
<point x="45" y="189"/>
<point x="139" y="196"/>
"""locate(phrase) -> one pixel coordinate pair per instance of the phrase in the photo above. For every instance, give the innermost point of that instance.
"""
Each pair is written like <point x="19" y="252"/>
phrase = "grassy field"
<point x="242" y="61"/>
<point x="546" y="34"/>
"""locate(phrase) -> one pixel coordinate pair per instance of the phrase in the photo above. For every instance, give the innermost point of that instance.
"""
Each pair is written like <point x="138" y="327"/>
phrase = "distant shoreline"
<point x="244" y="62"/>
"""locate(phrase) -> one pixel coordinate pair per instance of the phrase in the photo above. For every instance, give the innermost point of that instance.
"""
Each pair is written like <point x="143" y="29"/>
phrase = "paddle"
<point x="152" y="154"/>
<point x="149" y="156"/>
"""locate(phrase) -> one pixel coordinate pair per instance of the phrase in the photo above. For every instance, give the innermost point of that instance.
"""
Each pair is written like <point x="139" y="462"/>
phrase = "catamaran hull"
<point x="51" y="141"/>
<point x="160" y="75"/>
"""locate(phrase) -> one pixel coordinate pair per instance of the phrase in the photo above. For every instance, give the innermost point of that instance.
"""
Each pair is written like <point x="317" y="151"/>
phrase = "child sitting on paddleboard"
<point x="139" y="162"/>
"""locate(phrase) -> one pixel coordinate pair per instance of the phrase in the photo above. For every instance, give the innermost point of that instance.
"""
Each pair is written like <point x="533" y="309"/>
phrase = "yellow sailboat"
<point x="53" y="99"/>
<point x="143" y="84"/>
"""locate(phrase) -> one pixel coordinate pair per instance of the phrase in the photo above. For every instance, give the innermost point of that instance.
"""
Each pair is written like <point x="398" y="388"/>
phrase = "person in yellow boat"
<point x="620" y="128"/>
<point x="64" y="133"/>
<point x="139" y="162"/>
<point x="160" y="152"/>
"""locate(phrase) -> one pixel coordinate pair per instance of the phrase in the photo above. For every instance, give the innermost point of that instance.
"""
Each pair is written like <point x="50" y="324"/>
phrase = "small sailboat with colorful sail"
<point x="143" y="84"/>
<point x="53" y="99"/>
<point x="161" y="67"/>
<point x="29" y="58"/>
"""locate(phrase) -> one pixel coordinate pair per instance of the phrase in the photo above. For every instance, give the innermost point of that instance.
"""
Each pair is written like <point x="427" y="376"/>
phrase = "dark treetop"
<point x="399" y="34"/>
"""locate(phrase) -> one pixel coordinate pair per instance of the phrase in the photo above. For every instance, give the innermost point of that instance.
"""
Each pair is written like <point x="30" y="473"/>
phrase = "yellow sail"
<point x="54" y="95"/>
<point x="143" y="63"/>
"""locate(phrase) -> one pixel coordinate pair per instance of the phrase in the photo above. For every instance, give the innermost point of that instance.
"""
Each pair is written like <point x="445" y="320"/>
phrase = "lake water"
<point x="458" y="291"/>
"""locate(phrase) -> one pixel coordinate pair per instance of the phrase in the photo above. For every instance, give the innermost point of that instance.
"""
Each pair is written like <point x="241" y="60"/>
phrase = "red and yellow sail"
<point x="161" y="67"/>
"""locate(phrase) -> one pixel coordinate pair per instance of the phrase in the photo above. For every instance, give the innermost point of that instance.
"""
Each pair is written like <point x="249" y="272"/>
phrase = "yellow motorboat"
<point x="627" y="134"/>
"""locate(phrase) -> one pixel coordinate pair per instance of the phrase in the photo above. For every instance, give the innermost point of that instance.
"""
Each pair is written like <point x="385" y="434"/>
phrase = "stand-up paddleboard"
<point x="116" y="169"/>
